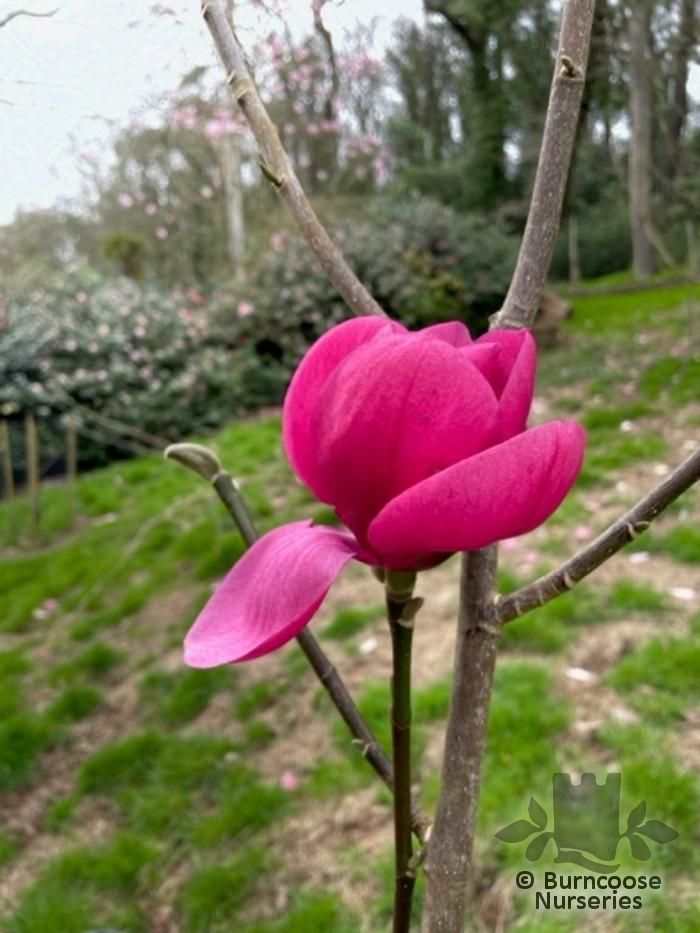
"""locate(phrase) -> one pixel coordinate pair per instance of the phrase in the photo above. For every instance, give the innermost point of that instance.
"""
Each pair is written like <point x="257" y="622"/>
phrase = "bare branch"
<point x="621" y="532"/>
<point x="15" y="13"/>
<point x="276" y="165"/>
<point x="537" y="247"/>
<point x="448" y="863"/>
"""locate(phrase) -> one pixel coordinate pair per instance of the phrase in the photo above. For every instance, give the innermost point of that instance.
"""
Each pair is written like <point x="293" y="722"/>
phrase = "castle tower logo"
<point x="586" y="825"/>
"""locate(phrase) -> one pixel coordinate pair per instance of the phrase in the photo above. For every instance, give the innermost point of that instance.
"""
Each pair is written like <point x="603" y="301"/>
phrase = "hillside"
<point x="139" y="795"/>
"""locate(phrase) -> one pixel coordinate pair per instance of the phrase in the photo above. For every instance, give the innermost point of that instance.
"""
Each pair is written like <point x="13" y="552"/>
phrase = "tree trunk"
<point x="640" y="163"/>
<point x="678" y="102"/>
<point x="233" y="193"/>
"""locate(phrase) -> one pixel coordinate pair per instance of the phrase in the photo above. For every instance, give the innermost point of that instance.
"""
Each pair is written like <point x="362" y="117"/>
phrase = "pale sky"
<point x="63" y="79"/>
<point x="67" y="81"/>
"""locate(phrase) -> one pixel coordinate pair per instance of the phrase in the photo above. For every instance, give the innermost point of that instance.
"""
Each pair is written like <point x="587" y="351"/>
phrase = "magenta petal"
<point x="269" y="595"/>
<point x="504" y="491"/>
<point x="398" y="410"/>
<point x="313" y="371"/>
<point x="452" y="332"/>
<point x="514" y="381"/>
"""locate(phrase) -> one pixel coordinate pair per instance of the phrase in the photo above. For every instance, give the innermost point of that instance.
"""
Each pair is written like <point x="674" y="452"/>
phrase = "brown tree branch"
<point x="448" y="863"/>
<point x="628" y="527"/>
<point x="537" y="248"/>
<point x="276" y="166"/>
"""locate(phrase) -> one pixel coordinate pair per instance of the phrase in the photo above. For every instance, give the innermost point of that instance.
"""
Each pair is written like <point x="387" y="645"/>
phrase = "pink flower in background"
<point x="125" y="200"/>
<point x="419" y="442"/>
<point x="162" y="233"/>
<point x="277" y="240"/>
<point x="207" y="192"/>
<point x="245" y="309"/>
<point x="289" y="780"/>
<point x="151" y="209"/>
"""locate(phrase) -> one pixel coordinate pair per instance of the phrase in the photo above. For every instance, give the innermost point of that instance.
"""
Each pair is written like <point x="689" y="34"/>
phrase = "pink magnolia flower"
<point x="419" y="442"/>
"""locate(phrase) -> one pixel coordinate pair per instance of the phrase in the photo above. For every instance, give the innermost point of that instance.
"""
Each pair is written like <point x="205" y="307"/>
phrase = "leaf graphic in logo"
<point x="636" y="816"/>
<point x="640" y="850"/>
<point x="517" y="831"/>
<point x="537" y="814"/>
<point x="658" y="831"/>
<point x="537" y="846"/>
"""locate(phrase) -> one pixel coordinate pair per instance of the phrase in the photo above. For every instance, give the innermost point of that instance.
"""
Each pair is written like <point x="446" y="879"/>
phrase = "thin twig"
<point x="203" y="462"/>
<point x="537" y="247"/>
<point x="15" y="13"/>
<point x="276" y="165"/>
<point x="621" y="532"/>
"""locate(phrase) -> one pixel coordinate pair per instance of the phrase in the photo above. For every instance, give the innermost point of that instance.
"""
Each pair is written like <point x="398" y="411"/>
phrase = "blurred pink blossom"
<point x="289" y="780"/>
<point x="245" y="309"/>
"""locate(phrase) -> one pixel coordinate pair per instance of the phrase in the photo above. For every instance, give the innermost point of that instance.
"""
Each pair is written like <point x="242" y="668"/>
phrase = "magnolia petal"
<point x="514" y="382"/>
<point x="269" y="595"/>
<point x="378" y="436"/>
<point x="452" y="332"/>
<point x="302" y="395"/>
<point x="502" y="492"/>
<point x="486" y="358"/>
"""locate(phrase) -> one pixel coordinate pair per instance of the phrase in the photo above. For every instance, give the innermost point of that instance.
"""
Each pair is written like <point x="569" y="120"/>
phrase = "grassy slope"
<point x="136" y="794"/>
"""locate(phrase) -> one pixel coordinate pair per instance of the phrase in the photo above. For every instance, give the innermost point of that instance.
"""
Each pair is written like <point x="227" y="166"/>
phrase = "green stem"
<point x="401" y="608"/>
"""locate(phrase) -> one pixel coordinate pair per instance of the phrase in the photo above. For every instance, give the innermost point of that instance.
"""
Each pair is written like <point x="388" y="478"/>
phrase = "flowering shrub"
<point x="423" y="263"/>
<point x="419" y="442"/>
<point x="133" y="353"/>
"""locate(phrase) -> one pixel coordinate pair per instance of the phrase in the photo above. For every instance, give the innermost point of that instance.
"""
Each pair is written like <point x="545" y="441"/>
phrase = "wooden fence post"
<point x="8" y="479"/>
<point x="32" y="454"/>
<point x="72" y="463"/>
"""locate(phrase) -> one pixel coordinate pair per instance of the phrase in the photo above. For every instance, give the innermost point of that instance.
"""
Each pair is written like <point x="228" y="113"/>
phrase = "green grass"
<point x="626" y="596"/>
<point x="23" y="739"/>
<point x="682" y="543"/>
<point x="672" y="794"/>
<point x="322" y="912"/>
<point x="524" y="724"/>
<point x="614" y="314"/>
<point x="669" y="669"/>
<point x="244" y="805"/>
<point x="350" y="620"/>
<point x="9" y="847"/>
<point x="76" y="703"/>
<point x="97" y="661"/>
<point x="596" y="419"/>
<point x="552" y="626"/>
<point x="255" y="698"/>
<point x="610" y="452"/>
<point x="86" y="889"/>
<point x="213" y="895"/>
<point x="176" y="698"/>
